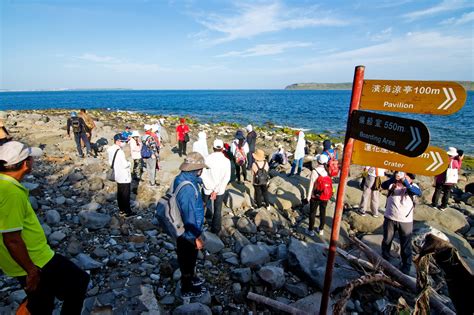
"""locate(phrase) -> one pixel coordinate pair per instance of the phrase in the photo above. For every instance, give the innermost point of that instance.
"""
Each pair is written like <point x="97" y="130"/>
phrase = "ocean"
<point x="315" y="111"/>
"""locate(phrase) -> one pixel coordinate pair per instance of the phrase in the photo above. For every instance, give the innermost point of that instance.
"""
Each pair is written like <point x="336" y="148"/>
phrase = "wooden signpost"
<point x="431" y="162"/>
<point x="421" y="97"/>
<point x="406" y="136"/>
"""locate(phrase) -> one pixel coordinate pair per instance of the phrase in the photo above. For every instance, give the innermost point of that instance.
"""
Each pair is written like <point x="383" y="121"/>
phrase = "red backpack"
<point x="323" y="188"/>
<point x="333" y="165"/>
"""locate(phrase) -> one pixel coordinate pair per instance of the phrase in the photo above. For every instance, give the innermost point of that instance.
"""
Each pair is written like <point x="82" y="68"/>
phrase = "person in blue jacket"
<point x="191" y="206"/>
<point x="327" y="150"/>
<point x="398" y="216"/>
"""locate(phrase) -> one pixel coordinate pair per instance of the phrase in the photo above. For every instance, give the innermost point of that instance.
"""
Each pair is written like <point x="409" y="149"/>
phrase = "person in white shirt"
<point x="135" y="152"/>
<point x="371" y="190"/>
<point x="215" y="180"/>
<point x="123" y="176"/>
<point x="299" y="155"/>
<point x="240" y="149"/>
<point x="201" y="144"/>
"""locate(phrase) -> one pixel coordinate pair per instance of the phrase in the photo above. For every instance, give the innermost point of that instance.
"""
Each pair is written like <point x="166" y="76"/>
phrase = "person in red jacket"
<point x="181" y="131"/>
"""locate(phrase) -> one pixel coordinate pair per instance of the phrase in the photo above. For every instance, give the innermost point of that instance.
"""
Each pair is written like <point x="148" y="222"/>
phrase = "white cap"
<point x="322" y="158"/>
<point x="147" y="127"/>
<point x="14" y="152"/>
<point x="135" y="133"/>
<point x="218" y="144"/>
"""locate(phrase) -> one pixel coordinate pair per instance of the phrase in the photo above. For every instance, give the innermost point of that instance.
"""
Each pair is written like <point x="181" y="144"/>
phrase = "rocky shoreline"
<point x="133" y="265"/>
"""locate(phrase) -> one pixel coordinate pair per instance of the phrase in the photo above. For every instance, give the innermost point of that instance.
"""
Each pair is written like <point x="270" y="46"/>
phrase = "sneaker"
<point x="309" y="232"/>
<point x="441" y="208"/>
<point x="198" y="281"/>
<point x="195" y="292"/>
<point x="128" y="214"/>
<point x="321" y="232"/>
<point x="362" y="213"/>
<point x="375" y="215"/>
<point x="433" y="206"/>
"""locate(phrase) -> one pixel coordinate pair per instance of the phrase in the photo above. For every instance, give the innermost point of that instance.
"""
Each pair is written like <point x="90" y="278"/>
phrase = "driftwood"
<point x="436" y="302"/>
<point x="363" y="264"/>
<point x="275" y="304"/>
<point x="340" y="306"/>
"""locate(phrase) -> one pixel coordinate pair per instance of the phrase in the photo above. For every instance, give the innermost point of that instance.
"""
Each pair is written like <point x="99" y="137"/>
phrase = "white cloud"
<point x="381" y="36"/>
<point x="265" y="49"/>
<point x="254" y="19"/>
<point x="118" y="65"/>
<point x="444" y="6"/>
<point x="96" y="58"/>
<point x="465" y="18"/>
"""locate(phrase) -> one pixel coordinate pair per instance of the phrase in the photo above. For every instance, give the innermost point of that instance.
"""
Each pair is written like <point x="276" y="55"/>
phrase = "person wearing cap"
<point x="215" y="180"/>
<point x="201" y="144"/>
<point x="398" y="216"/>
<point x="441" y="187"/>
<point x="240" y="149"/>
<point x="89" y="122"/>
<point x="252" y="141"/>
<point x="123" y="176"/>
<point x="135" y="152"/>
<point x="4" y="135"/>
<point x="371" y="190"/>
<point x="261" y="189"/>
<point x="190" y="204"/>
<point x="279" y="157"/>
<point x="79" y="129"/>
<point x="151" y="163"/>
<point x="24" y="250"/>
<point x="319" y="169"/>
<point x="127" y="133"/>
<point x="298" y="157"/>
<point x="182" y="131"/>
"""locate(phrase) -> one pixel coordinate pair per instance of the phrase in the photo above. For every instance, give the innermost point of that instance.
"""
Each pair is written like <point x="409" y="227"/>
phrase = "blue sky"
<point x="152" y="44"/>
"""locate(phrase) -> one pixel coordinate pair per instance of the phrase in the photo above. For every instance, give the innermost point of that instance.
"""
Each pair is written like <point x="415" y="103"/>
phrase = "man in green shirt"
<point x="24" y="251"/>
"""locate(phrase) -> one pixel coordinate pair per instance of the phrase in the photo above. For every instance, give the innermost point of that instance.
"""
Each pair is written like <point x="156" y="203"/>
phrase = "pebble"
<point x="52" y="217"/>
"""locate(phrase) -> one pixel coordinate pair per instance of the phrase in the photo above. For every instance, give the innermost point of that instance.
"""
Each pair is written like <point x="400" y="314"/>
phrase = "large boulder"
<point x="192" y="309"/>
<point x="94" y="220"/>
<point x="274" y="276"/>
<point x="365" y="224"/>
<point x="309" y="260"/>
<point x="451" y="219"/>
<point x="212" y="242"/>
<point x="254" y="255"/>
<point x="283" y="194"/>
<point x="235" y="197"/>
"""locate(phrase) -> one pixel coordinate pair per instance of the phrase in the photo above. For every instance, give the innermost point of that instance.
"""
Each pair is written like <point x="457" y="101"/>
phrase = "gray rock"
<point x="52" y="217"/>
<point x="60" y="200"/>
<point x="312" y="302"/>
<point x="56" y="237"/>
<point x="94" y="220"/>
<point x="381" y="305"/>
<point x="212" y="242"/>
<point x="100" y="252"/>
<point x="168" y="300"/>
<point x="244" y="225"/>
<point x="240" y="241"/>
<point x="86" y="262"/>
<point x="92" y="206"/>
<point x="74" y="248"/>
<point x="243" y="275"/>
<point x="365" y="224"/>
<point x="148" y="299"/>
<point x="17" y="296"/>
<point x="235" y="196"/>
<point x="254" y="255"/>
<point x="46" y="229"/>
<point x="192" y="309"/>
<point x="274" y="276"/>
<point x="299" y="289"/>
<point x="34" y="203"/>
<point x="126" y="256"/>
<point x="75" y="177"/>
<point x="95" y="184"/>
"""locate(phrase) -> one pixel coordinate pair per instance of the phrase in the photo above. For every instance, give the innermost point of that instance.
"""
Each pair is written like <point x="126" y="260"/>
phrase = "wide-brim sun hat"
<point x="452" y="151"/>
<point x="259" y="155"/>
<point x="193" y="162"/>
<point x="135" y="133"/>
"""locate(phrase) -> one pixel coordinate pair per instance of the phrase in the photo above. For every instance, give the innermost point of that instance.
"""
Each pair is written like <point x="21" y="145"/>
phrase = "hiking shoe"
<point x="375" y="215"/>
<point x="198" y="281"/>
<point x="441" y="208"/>
<point x="309" y="232"/>
<point x="362" y="213"/>
<point x="195" y="292"/>
<point x="320" y="232"/>
<point x="128" y="214"/>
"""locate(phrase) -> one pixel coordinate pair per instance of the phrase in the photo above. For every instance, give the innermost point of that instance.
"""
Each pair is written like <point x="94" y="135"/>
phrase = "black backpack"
<point x="261" y="176"/>
<point x="76" y="125"/>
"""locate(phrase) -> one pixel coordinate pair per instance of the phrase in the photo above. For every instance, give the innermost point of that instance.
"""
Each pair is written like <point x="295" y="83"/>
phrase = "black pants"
<point x="181" y="147"/>
<point x="446" y="190"/>
<point x="123" y="197"/>
<point x="261" y="192"/>
<point x="187" y="256"/>
<point x="62" y="279"/>
<point x="249" y="160"/>
<point x="216" y="215"/>
<point x="405" y="230"/>
<point x="77" y="137"/>
<point x="241" y="169"/>
<point x="313" y="208"/>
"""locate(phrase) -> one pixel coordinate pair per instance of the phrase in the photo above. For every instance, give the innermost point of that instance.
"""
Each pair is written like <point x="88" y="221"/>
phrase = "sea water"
<point x="314" y="111"/>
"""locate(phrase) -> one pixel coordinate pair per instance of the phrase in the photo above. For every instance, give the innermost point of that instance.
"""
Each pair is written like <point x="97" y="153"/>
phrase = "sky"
<point x="219" y="44"/>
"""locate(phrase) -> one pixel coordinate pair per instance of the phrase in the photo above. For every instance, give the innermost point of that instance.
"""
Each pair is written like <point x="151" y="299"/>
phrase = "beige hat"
<point x="452" y="151"/>
<point x="193" y="162"/>
<point x="259" y="155"/>
<point x="14" y="152"/>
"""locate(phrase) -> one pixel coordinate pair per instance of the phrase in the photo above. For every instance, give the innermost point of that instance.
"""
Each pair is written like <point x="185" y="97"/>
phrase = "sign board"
<point x="421" y="97"/>
<point x="432" y="162"/>
<point x="405" y="136"/>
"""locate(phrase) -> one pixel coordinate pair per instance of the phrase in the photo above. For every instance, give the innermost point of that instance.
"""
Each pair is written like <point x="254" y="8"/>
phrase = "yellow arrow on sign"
<point x="422" y="97"/>
<point x="432" y="162"/>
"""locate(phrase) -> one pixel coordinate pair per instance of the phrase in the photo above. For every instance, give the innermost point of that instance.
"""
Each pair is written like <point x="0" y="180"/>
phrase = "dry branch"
<point x="275" y="304"/>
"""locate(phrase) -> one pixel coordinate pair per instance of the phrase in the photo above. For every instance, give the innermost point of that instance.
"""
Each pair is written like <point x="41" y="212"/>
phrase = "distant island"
<point x="468" y="85"/>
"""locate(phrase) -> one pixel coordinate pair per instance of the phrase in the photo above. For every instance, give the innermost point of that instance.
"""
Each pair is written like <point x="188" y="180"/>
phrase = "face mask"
<point x="122" y="144"/>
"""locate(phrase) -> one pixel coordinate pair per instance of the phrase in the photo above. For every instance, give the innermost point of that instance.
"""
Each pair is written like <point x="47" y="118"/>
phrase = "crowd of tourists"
<point x="198" y="193"/>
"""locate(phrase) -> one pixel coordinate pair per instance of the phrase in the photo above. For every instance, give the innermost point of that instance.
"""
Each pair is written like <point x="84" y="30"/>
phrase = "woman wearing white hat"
<point x="446" y="180"/>
<point x="201" y="144"/>
<point x="135" y="151"/>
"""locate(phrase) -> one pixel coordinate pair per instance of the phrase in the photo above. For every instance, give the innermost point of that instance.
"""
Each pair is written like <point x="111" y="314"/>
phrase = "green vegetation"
<point x="468" y="85"/>
<point x="468" y="163"/>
